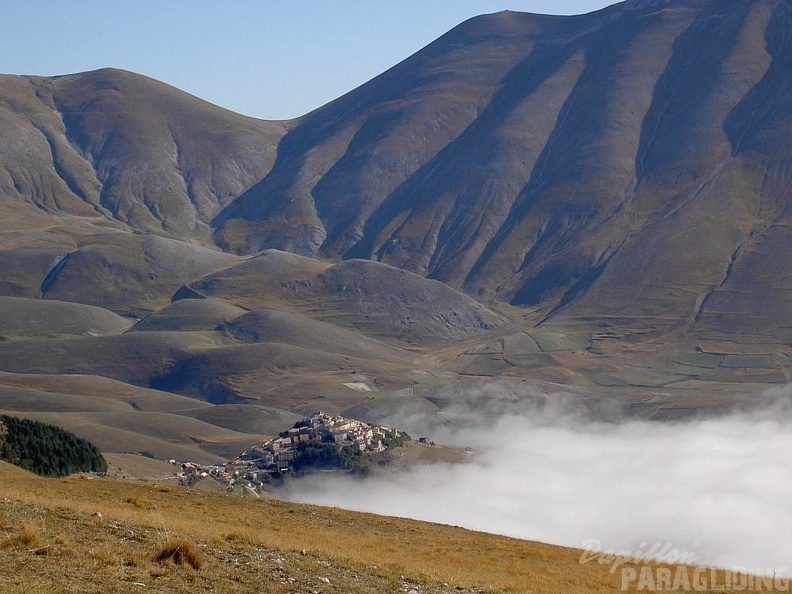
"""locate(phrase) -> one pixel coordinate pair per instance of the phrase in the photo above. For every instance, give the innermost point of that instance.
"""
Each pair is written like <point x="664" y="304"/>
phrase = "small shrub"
<point x="140" y="503"/>
<point x="105" y="554"/>
<point x="180" y="552"/>
<point x="239" y="537"/>
<point x="26" y="537"/>
<point x="111" y="554"/>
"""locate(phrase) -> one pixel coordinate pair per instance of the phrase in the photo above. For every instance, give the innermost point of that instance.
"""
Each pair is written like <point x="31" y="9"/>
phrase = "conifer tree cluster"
<point x="45" y="449"/>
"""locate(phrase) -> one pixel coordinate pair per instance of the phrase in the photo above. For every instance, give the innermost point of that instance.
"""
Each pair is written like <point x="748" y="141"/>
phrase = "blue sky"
<point x="265" y="58"/>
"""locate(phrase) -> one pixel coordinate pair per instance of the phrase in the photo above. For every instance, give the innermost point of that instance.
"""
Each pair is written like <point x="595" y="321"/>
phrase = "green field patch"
<point x="531" y="361"/>
<point x="552" y="341"/>
<point x="701" y="360"/>
<point x="749" y="361"/>
<point x="520" y="344"/>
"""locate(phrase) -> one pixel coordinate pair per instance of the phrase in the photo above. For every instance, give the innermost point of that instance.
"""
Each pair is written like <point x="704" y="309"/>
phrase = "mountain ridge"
<point x="100" y="128"/>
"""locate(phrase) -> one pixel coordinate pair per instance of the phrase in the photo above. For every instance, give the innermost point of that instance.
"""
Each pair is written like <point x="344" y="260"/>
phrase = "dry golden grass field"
<point x="99" y="534"/>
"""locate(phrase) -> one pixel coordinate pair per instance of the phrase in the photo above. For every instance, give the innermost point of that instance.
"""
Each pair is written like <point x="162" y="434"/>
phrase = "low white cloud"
<point x="720" y="488"/>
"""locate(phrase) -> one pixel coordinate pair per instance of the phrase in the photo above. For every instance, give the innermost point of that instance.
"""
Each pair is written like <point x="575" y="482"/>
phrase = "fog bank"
<point x="719" y="488"/>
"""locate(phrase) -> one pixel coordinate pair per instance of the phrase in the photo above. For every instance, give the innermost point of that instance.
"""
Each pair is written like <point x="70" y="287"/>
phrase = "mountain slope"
<point x="290" y="548"/>
<point x="631" y="160"/>
<point x="558" y="163"/>
<point x="598" y="202"/>
<point x="122" y="146"/>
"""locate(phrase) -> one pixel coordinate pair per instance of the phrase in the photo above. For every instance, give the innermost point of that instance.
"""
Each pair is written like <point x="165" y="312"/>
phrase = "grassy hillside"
<point x="54" y="540"/>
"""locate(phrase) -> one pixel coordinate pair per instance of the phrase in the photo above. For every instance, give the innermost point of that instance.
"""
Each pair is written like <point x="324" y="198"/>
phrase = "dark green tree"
<point x="46" y="449"/>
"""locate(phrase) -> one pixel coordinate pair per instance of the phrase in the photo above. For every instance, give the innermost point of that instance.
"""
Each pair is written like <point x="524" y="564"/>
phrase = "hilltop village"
<point x="318" y="441"/>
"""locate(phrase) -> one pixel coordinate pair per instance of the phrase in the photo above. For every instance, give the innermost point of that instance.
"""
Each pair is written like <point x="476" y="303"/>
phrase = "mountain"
<point x="548" y="162"/>
<point x="110" y="180"/>
<point x="130" y="148"/>
<point x="633" y="160"/>
<point x="596" y="204"/>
